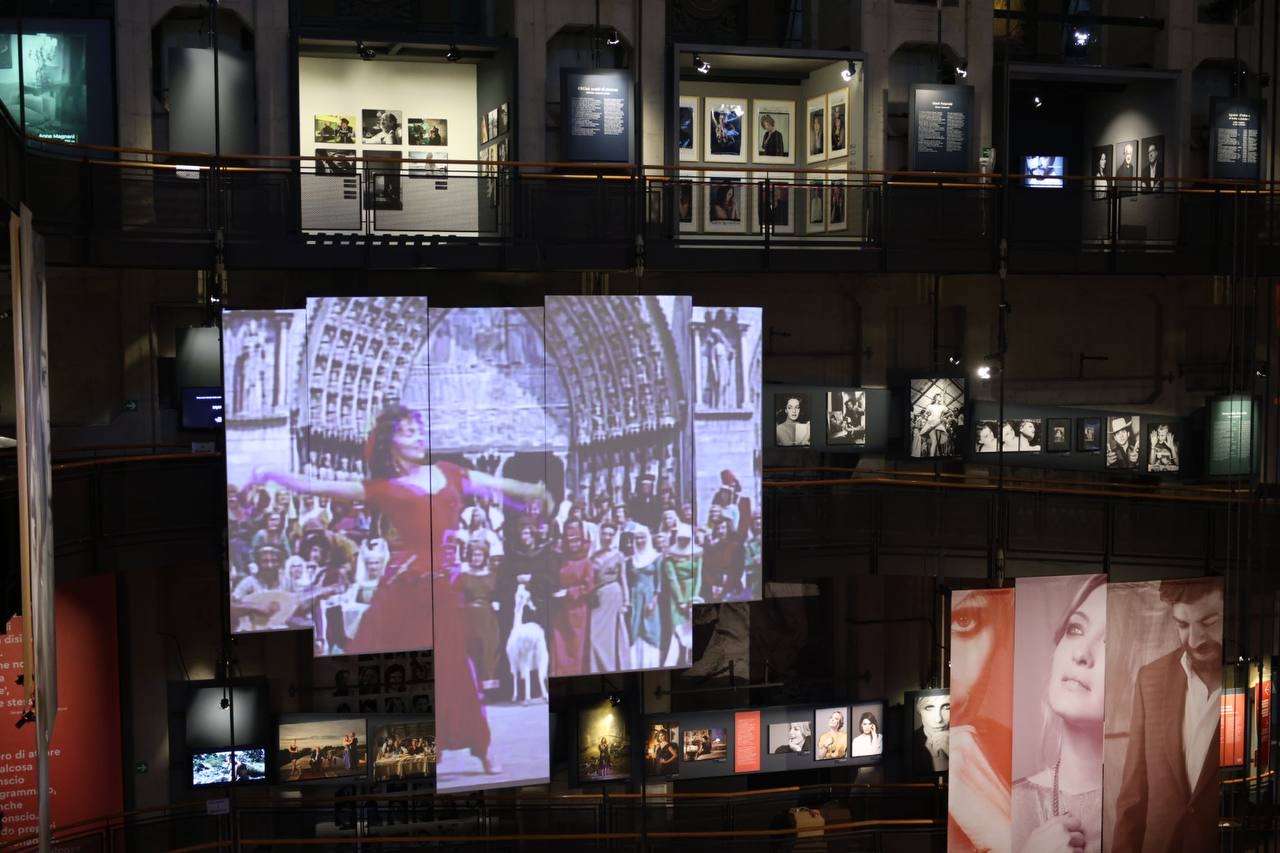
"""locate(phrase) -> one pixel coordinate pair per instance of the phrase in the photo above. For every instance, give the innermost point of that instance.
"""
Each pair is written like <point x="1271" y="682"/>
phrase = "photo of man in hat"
<point x="1124" y="442"/>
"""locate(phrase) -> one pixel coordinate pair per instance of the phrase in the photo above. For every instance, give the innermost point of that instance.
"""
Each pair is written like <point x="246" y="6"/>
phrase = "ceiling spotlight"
<point x="701" y="65"/>
<point x="1082" y="37"/>
<point x="984" y="371"/>
<point x="1263" y="371"/>
<point x="849" y="70"/>
<point x="614" y="39"/>
<point x="615" y="699"/>
<point x="225" y="703"/>
<point x="366" y="53"/>
<point x="962" y="70"/>
<point x="1036" y="102"/>
<point x="453" y="54"/>
<point x="953" y="360"/>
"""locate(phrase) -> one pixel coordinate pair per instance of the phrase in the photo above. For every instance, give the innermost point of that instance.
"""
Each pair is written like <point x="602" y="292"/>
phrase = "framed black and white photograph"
<point x="1127" y="167"/>
<point x="335" y="161"/>
<point x="504" y="151"/>
<point x="1102" y="163"/>
<point x="428" y="131"/>
<point x="333" y="129"/>
<point x="838" y="124"/>
<point x="816" y="134"/>
<point x="1124" y="442"/>
<point x="382" y="127"/>
<point x="794" y="737"/>
<point x="492" y="120"/>
<point x="382" y="181"/>
<point x="936" y="417"/>
<point x="1014" y="435"/>
<point x="930" y="731"/>
<point x="1164" y="448"/>
<point x="726" y="195"/>
<point x="1089" y="435"/>
<point x="774" y="127"/>
<point x="1057" y="435"/>
<point x="847" y="417"/>
<point x="484" y="129"/>
<point x="837" y="199"/>
<point x="504" y="118"/>
<point x="687" y="121"/>
<point x="816" y="203"/>
<point x="1151" y="165"/>
<point x="775" y="204"/>
<point x="688" y="192"/>
<point x="791" y="419"/>
<point x="726" y="126"/>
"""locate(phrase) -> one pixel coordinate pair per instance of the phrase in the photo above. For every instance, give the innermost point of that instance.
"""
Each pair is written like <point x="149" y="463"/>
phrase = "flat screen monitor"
<point x="1044" y="171"/>
<point x="202" y="408"/>
<point x="226" y="766"/>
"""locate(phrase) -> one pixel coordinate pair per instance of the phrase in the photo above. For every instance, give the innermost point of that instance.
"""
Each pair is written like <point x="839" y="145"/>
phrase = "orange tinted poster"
<point x="84" y="755"/>
<point x="1231" y="730"/>
<point x="746" y="742"/>
<point x="1262" y="701"/>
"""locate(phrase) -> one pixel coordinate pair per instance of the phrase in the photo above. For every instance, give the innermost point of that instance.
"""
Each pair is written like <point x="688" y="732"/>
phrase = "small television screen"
<point x="1044" y="171"/>
<point x="227" y="766"/>
<point x="202" y="408"/>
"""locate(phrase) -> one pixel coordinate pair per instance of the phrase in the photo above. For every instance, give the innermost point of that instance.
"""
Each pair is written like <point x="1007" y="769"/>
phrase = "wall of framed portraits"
<point x="708" y="744"/>
<point x="1085" y="140"/>
<point x="828" y="418"/>
<point x="383" y="132"/>
<point x="1085" y="440"/>
<point x="759" y="112"/>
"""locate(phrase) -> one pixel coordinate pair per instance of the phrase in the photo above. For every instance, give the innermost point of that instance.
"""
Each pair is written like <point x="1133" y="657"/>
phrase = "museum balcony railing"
<point x="123" y="207"/>
<point x="844" y="817"/>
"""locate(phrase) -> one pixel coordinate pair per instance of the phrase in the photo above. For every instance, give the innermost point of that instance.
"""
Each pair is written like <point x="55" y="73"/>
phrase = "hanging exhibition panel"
<point x="941" y="128"/>
<point x="403" y="478"/>
<point x="980" y="767"/>
<point x="596" y="107"/>
<point x="1236" y="138"/>
<point x="1163" y="689"/>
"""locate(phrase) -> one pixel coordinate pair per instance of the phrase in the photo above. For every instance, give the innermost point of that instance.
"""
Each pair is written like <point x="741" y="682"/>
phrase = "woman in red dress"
<point x="423" y="501"/>
<point x="571" y="605"/>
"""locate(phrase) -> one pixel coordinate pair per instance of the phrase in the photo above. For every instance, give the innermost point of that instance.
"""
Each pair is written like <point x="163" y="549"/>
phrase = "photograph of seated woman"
<point x="1058" y="804"/>
<point x="868" y="740"/>
<point x="724" y="201"/>
<point x="834" y="742"/>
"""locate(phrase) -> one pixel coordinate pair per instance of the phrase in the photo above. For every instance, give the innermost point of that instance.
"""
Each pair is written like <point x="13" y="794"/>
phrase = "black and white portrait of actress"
<point x="791" y="420"/>
<point x="1058" y="712"/>
<point x="930" y="731"/>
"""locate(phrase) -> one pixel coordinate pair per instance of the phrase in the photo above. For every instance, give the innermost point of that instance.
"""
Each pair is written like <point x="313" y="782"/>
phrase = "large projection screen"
<point x="619" y="376"/>
<point x="491" y="504"/>
<point x="727" y="359"/>
<point x="531" y="492"/>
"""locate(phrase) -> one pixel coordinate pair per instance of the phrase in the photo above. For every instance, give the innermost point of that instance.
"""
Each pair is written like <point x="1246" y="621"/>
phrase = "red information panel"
<point x="746" y="742"/>
<point x="1262" y="701"/>
<point x="1232" y="728"/>
<point x="85" y="751"/>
